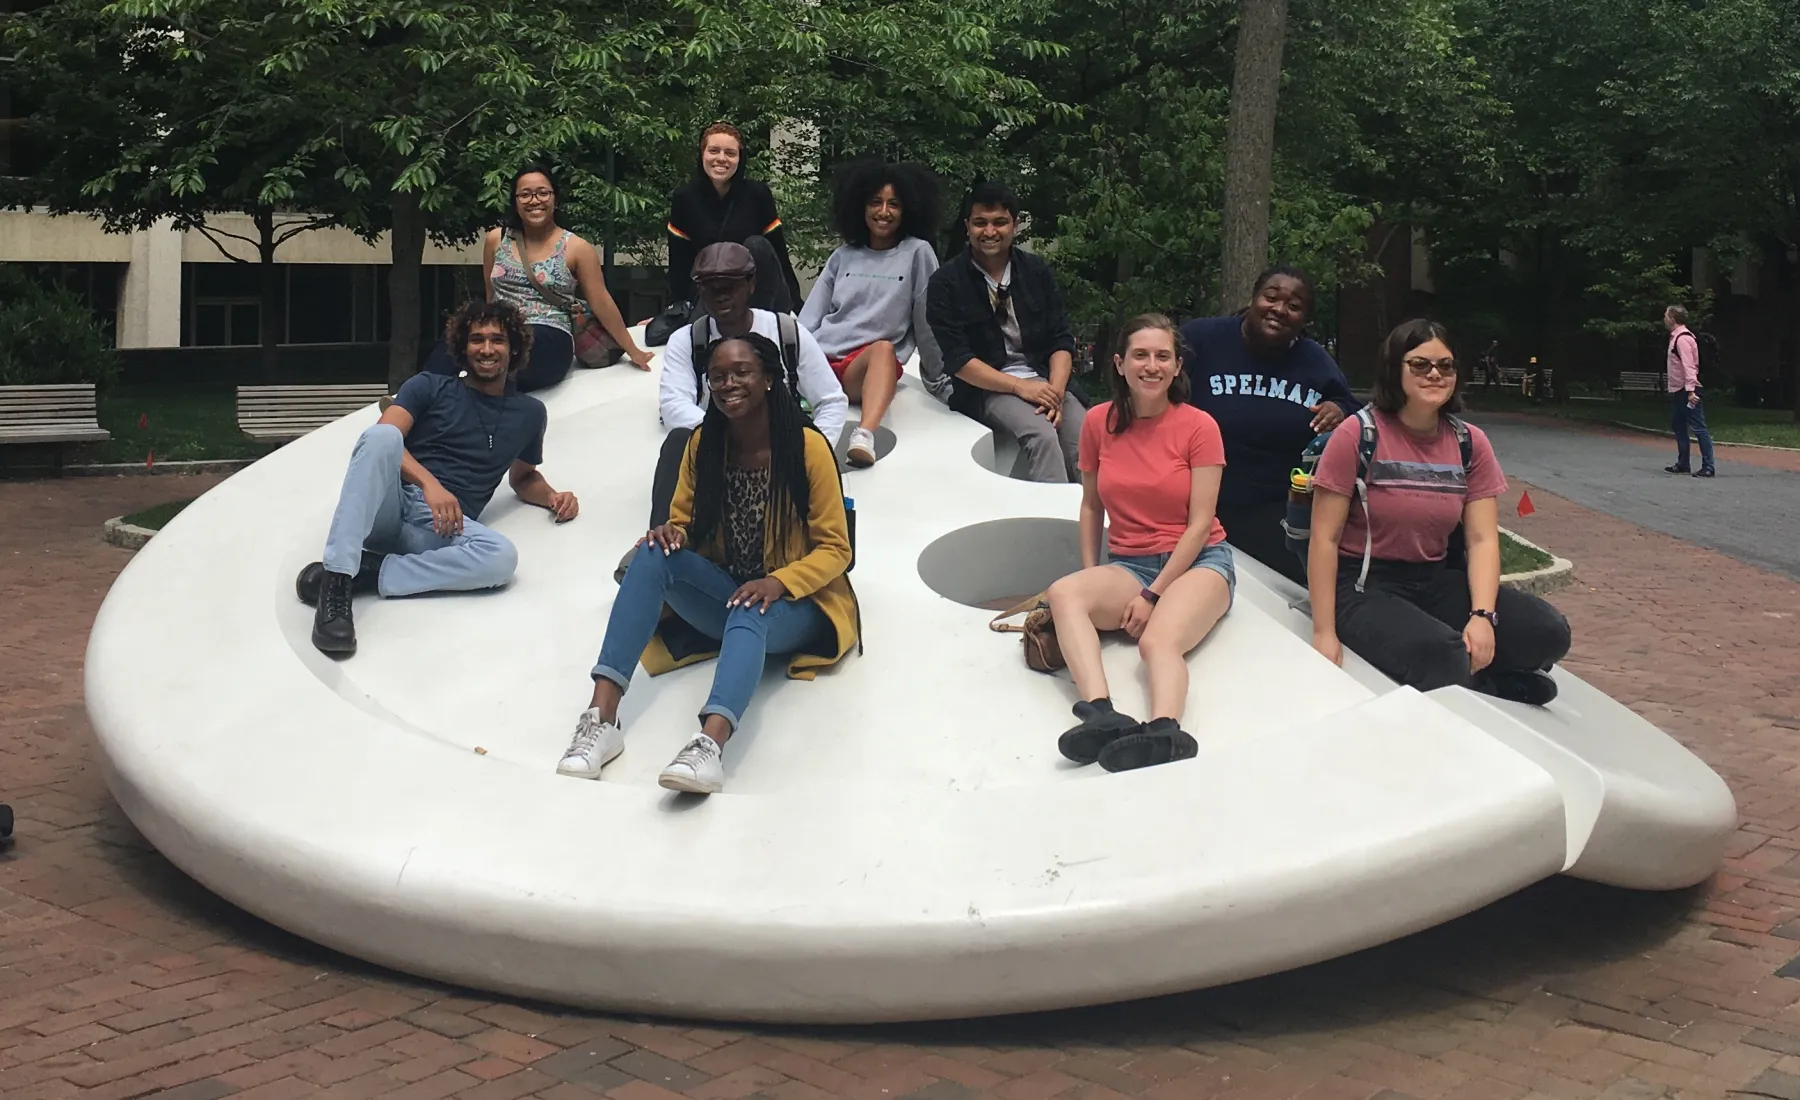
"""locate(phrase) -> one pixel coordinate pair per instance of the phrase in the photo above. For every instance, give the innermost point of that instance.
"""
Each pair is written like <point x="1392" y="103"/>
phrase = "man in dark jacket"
<point x="1008" y="352"/>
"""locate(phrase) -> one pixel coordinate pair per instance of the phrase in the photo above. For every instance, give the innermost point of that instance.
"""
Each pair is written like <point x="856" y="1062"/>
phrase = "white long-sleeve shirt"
<point x="682" y="392"/>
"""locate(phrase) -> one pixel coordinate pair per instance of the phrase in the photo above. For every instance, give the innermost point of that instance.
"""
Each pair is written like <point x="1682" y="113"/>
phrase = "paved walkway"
<point x="1751" y="511"/>
<point x="119" y="977"/>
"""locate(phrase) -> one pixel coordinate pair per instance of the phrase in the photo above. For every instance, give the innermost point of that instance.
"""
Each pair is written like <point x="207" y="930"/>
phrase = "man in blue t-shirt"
<point x="406" y="518"/>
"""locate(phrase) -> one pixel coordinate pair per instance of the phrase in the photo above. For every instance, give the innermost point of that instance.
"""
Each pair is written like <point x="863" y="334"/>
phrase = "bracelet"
<point x="1149" y="595"/>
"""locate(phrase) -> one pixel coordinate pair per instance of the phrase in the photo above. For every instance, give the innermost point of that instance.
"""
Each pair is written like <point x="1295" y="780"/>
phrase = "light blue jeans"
<point x="1147" y="567"/>
<point x="377" y="511"/>
<point x="696" y="589"/>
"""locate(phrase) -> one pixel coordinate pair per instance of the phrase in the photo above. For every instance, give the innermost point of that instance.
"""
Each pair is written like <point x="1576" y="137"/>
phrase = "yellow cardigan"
<point x="811" y="564"/>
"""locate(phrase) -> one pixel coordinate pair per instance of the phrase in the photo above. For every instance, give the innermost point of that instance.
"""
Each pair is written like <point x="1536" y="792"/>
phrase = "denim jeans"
<point x="696" y="589"/>
<point x="379" y="512"/>
<point x="1147" y="567"/>
<point x="1683" y="419"/>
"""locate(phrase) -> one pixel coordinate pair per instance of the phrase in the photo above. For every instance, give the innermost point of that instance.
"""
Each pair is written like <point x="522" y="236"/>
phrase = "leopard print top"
<point x="746" y="517"/>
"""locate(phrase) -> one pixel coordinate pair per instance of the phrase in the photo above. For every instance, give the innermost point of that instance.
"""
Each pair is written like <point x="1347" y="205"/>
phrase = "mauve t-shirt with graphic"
<point x="1416" y="486"/>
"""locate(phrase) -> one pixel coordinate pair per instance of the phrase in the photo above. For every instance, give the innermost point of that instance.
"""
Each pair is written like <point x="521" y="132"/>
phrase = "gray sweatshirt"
<point x="863" y="296"/>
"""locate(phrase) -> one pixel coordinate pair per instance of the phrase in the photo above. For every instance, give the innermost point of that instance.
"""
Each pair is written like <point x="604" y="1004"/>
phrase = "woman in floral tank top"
<point x="551" y="276"/>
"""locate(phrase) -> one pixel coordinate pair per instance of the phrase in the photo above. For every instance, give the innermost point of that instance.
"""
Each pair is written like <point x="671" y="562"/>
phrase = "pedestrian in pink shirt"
<point x="1686" y="413"/>
<point x="1381" y="530"/>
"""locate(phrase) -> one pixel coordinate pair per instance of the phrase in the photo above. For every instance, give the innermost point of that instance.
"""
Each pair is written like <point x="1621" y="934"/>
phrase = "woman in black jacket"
<point x="720" y="204"/>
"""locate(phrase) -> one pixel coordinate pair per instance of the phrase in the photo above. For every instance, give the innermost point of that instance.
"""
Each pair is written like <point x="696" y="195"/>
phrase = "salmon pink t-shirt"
<point x="1145" y="475"/>
<point x="1416" y="486"/>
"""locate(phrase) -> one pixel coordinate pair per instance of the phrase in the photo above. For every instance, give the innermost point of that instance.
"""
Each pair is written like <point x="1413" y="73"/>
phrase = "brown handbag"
<point x="1042" y="651"/>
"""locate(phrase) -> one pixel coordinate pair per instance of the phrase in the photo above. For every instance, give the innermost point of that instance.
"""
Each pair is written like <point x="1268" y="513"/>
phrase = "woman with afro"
<point x="867" y="309"/>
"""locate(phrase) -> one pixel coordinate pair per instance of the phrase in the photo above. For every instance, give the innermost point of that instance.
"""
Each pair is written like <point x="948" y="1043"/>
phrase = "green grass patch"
<point x="1728" y="423"/>
<point x="1516" y="557"/>
<point x="154" y="517"/>
<point x="179" y="423"/>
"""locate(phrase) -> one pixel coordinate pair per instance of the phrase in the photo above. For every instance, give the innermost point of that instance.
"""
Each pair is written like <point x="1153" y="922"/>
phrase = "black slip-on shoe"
<point x="1518" y="685"/>
<point x="1100" y="726"/>
<point x="1161" y="741"/>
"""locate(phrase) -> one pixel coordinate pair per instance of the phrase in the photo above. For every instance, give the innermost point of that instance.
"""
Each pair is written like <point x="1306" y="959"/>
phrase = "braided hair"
<point x="790" y="492"/>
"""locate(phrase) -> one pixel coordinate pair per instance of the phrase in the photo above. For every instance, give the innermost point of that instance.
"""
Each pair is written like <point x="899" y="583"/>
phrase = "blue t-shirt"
<point x="1261" y="403"/>
<point x="467" y="439"/>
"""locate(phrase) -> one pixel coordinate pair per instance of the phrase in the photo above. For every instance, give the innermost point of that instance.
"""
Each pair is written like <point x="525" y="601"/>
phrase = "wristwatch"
<point x="1149" y="595"/>
<point x="1493" y="619"/>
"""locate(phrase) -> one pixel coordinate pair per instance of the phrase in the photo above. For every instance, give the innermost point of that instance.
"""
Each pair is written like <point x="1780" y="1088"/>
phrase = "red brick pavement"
<point x="119" y="977"/>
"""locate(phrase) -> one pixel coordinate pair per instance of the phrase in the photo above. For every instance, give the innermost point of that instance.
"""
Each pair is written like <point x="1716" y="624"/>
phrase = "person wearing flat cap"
<point x="725" y="277"/>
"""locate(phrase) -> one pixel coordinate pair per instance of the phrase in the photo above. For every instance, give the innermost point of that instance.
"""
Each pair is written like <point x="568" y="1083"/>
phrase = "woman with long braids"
<point x="751" y="562"/>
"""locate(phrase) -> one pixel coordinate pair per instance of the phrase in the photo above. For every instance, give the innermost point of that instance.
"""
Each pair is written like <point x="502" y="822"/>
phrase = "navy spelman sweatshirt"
<point x="1261" y="404"/>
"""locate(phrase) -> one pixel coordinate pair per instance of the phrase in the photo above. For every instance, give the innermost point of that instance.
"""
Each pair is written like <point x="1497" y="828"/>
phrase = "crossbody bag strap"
<point x="999" y="625"/>
<point x="1365" y="457"/>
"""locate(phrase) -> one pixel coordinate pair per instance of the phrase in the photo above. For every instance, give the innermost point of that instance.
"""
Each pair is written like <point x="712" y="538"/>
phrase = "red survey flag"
<point x="150" y="457"/>
<point x="1525" y="505"/>
<point x="143" y="421"/>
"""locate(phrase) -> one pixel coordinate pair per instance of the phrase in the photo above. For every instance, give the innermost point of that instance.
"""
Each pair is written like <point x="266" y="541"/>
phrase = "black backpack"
<point x="789" y="326"/>
<point x="1706" y="345"/>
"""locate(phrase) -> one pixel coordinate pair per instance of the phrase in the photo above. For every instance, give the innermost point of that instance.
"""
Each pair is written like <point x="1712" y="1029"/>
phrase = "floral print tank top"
<point x="519" y="288"/>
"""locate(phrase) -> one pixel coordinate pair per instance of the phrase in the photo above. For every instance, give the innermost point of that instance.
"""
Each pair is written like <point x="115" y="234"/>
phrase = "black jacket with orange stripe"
<point x="700" y="216"/>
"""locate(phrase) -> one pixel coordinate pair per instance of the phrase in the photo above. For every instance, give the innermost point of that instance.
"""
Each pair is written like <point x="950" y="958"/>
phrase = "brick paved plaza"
<point x="119" y="977"/>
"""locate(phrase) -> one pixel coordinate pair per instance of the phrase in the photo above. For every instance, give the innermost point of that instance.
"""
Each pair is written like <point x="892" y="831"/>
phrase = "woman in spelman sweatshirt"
<point x="867" y="309"/>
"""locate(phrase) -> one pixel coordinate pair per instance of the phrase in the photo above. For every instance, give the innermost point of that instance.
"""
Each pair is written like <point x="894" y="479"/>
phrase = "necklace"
<point x="498" y="416"/>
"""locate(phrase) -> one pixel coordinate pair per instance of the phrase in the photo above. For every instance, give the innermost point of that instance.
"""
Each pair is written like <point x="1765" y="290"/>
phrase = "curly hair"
<point x="477" y="312"/>
<point x="730" y="131"/>
<point x="857" y="183"/>
<point x="790" y="493"/>
<point x="1389" y="392"/>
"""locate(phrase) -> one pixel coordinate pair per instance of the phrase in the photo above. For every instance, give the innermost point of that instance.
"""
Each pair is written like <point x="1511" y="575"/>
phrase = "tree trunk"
<point x="407" y="249"/>
<point x="269" y="328"/>
<point x="1250" y="147"/>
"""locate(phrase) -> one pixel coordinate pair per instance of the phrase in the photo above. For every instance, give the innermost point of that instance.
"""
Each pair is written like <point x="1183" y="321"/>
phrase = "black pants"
<point x="552" y="353"/>
<point x="1408" y="623"/>
<point x="1255" y="530"/>
<point x="668" y="474"/>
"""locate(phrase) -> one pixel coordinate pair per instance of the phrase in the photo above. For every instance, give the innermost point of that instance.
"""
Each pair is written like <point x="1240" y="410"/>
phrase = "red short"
<point x="842" y="364"/>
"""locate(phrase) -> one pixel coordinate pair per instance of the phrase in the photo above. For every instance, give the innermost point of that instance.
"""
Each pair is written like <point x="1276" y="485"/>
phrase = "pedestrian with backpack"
<point x="1686" y="413"/>
<point x="1393" y="484"/>
<point x="725" y="275"/>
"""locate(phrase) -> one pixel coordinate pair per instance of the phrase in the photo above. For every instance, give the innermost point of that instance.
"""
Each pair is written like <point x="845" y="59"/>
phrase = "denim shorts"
<point x="1147" y="567"/>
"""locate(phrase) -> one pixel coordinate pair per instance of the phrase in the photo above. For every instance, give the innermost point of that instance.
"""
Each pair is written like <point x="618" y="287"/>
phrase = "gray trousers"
<point x="1047" y="452"/>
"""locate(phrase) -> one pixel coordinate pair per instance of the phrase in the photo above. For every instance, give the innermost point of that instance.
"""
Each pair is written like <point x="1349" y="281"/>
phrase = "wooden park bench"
<point x="1639" y="381"/>
<point x="289" y="412"/>
<point x="1514" y="378"/>
<point x="50" y="416"/>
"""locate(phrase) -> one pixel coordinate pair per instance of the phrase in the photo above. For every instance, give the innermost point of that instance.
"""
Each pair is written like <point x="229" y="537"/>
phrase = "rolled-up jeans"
<point x="696" y="589"/>
<point x="379" y="512"/>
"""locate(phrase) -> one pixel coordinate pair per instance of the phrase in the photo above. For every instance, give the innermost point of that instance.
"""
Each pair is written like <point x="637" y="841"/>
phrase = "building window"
<point x="316" y="303"/>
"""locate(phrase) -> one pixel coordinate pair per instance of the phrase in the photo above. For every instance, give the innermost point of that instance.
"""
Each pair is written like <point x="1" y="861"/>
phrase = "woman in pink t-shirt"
<point x="1376" y="569"/>
<point x="1150" y="463"/>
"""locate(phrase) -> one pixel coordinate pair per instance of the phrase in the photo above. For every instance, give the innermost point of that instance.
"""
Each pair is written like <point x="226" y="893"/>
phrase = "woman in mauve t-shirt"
<point x="1377" y="575"/>
<point x="1150" y="463"/>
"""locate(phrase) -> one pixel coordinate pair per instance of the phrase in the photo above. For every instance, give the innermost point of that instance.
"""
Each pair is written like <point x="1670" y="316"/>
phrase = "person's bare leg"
<point x="1184" y="616"/>
<point x="1083" y="604"/>
<point x="717" y="727"/>
<point x="876" y="383"/>
<point x="606" y="697"/>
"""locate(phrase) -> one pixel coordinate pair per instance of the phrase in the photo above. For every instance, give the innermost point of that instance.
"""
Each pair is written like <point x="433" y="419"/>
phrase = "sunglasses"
<point x="1422" y="367"/>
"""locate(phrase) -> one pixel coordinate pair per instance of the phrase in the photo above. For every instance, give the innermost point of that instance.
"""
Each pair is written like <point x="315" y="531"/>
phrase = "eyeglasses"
<point x="540" y="195"/>
<point x="1422" y="367"/>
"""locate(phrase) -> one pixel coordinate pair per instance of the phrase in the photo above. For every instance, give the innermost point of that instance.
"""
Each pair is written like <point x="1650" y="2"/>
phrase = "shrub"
<point x="48" y="335"/>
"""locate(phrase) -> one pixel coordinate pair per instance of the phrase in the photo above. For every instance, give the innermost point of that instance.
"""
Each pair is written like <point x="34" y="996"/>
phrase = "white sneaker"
<point x="697" y="769"/>
<point x="862" y="447"/>
<point x="594" y="746"/>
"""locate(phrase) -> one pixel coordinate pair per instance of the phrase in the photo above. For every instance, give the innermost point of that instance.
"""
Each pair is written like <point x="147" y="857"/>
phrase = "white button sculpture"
<point x="898" y="839"/>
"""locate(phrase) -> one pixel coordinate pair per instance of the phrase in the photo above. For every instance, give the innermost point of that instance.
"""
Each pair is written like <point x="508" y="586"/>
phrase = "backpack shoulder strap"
<point x="1464" y="443"/>
<point x="697" y="335"/>
<point x="789" y="326"/>
<point x="1365" y="445"/>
